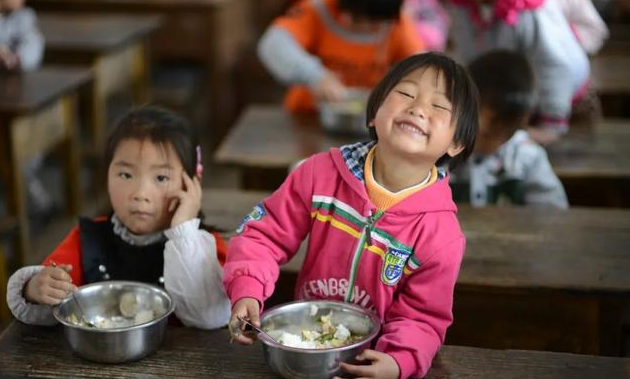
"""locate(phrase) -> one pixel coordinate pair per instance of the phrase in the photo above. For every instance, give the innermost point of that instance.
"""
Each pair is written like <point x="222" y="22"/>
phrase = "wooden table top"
<point x="23" y="93"/>
<point x="268" y="137"/>
<point x="94" y="33"/>
<point x="586" y="250"/>
<point x="42" y="352"/>
<point x="609" y="73"/>
<point x="600" y="153"/>
<point x="117" y="5"/>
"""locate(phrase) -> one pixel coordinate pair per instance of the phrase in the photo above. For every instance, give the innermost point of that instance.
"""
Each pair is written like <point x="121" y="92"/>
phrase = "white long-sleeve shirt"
<point x="20" y="35"/>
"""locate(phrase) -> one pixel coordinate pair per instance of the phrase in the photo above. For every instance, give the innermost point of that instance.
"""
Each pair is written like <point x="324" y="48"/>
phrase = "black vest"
<point x="105" y="256"/>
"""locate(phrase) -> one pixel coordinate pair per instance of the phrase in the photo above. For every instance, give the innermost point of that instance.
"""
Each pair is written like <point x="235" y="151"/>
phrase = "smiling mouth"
<point x="411" y="127"/>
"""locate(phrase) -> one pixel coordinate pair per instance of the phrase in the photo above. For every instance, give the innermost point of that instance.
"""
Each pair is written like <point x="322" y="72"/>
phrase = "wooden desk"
<point x="594" y="166"/>
<point x="114" y="46"/>
<point x="206" y="32"/>
<point x="41" y="352"/>
<point x="531" y="278"/>
<point x="37" y="113"/>
<point x="266" y="140"/>
<point x="609" y="73"/>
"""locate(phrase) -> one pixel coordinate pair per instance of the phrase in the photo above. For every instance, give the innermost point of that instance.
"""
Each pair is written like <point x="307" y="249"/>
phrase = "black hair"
<point x="506" y="84"/>
<point x="460" y="91"/>
<point x="163" y="127"/>
<point x="373" y="9"/>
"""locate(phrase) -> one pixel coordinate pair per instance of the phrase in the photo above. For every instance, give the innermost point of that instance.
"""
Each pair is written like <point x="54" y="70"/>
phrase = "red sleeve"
<point x="69" y="252"/>
<point x="221" y="248"/>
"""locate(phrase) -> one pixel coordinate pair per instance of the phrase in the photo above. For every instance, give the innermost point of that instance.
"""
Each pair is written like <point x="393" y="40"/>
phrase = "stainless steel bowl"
<point x="114" y="345"/>
<point x="297" y="363"/>
<point x="346" y="117"/>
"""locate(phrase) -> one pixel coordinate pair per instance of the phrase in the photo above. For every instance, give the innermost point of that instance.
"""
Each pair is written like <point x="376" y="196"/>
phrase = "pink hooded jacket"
<point x="402" y="263"/>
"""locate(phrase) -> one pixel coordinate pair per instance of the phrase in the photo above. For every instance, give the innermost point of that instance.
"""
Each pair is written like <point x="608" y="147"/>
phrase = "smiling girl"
<point x="382" y="226"/>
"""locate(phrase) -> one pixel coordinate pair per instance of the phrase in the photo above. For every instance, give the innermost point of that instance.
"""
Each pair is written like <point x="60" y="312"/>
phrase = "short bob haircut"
<point x="372" y="9"/>
<point x="507" y="86"/>
<point x="460" y="91"/>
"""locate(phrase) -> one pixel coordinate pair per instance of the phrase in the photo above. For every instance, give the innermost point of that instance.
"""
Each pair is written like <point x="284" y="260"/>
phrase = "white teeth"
<point x="411" y="127"/>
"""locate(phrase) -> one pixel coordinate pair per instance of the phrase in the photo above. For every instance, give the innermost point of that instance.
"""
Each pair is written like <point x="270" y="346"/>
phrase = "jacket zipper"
<point x="366" y="236"/>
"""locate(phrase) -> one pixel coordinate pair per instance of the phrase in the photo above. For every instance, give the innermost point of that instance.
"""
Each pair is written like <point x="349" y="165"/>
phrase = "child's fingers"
<point x="172" y="205"/>
<point x="368" y="354"/>
<point x="65" y="267"/>
<point x="59" y="274"/>
<point x="62" y="285"/>
<point x="187" y="181"/>
<point x="51" y="299"/>
<point x="56" y="294"/>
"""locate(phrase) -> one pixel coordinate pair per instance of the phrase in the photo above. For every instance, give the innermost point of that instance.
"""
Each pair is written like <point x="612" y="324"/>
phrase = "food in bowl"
<point x="132" y="313"/>
<point x="315" y="363"/>
<point x="346" y="116"/>
<point x="113" y="337"/>
<point x="325" y="336"/>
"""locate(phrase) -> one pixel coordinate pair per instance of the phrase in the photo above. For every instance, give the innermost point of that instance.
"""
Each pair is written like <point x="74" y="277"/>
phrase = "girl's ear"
<point x="454" y="149"/>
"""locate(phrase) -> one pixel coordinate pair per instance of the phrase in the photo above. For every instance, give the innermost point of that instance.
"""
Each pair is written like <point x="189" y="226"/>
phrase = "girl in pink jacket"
<point x="382" y="226"/>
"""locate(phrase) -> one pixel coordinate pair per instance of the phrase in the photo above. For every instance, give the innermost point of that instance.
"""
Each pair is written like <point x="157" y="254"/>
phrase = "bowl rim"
<point x="124" y="328"/>
<point x="376" y="321"/>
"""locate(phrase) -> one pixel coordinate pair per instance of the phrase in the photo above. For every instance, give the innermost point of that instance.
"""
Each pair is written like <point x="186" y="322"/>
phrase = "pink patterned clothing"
<point x="402" y="263"/>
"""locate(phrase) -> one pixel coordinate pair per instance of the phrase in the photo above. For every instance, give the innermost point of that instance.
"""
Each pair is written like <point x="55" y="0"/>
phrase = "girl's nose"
<point x="416" y="110"/>
<point x="141" y="192"/>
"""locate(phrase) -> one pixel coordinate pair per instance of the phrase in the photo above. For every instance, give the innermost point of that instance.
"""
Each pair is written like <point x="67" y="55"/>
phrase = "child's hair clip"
<point x="199" y="167"/>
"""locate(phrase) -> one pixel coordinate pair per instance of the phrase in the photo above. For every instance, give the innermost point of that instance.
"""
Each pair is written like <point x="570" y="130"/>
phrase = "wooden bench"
<point x="38" y="113"/>
<point x="113" y="46"/>
<point x="210" y="33"/>
<point x="41" y="352"/>
<point x="531" y="278"/>
<point x="266" y="140"/>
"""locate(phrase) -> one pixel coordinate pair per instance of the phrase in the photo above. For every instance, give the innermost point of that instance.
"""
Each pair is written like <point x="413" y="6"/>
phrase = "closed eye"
<point x="405" y="94"/>
<point x="442" y="107"/>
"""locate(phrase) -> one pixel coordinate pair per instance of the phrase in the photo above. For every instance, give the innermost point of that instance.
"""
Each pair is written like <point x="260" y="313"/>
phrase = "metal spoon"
<point x="85" y="320"/>
<point x="255" y="328"/>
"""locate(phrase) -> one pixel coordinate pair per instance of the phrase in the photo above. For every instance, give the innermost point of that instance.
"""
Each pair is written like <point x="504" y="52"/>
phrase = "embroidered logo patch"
<point x="393" y="265"/>
<point x="255" y="215"/>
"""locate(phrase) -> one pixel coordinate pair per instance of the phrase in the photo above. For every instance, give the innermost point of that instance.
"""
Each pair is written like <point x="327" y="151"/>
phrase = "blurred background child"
<point x="431" y="22"/>
<point x="537" y="29"/>
<point x="507" y="166"/>
<point x="588" y="26"/>
<point x="322" y="47"/>
<point x="21" y="43"/>
<point x="153" y="235"/>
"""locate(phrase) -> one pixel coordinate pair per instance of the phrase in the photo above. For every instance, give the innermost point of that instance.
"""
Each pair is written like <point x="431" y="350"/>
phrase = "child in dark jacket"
<point x="152" y="236"/>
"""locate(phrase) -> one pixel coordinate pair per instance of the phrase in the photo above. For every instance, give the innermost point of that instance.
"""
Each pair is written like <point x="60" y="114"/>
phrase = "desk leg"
<point x="71" y="155"/>
<point x="99" y="109"/>
<point x="140" y="74"/>
<point x="15" y="195"/>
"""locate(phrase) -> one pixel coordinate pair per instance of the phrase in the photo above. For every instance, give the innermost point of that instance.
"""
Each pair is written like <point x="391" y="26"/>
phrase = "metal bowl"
<point x="298" y="363"/>
<point x="101" y="301"/>
<point x="346" y="117"/>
